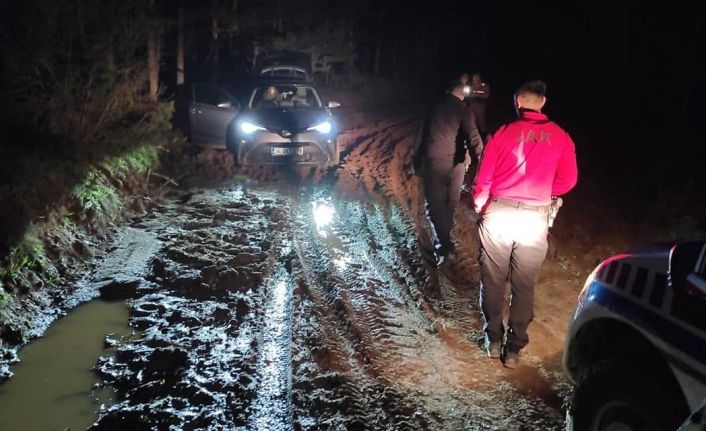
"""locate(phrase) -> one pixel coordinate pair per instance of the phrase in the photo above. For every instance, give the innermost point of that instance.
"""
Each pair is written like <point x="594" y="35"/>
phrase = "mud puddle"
<point x="54" y="386"/>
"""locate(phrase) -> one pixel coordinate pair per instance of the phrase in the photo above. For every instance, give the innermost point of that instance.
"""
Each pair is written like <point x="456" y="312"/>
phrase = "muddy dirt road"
<point x="277" y="302"/>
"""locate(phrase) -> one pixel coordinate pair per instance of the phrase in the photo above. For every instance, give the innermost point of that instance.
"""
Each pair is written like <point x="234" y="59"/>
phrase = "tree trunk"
<point x="180" y="47"/>
<point x="378" y="48"/>
<point x="153" y="63"/>
<point x="395" y="45"/>
<point x="153" y="54"/>
<point x="280" y="25"/>
<point x="256" y="54"/>
<point x="215" y="33"/>
<point x="625" y="75"/>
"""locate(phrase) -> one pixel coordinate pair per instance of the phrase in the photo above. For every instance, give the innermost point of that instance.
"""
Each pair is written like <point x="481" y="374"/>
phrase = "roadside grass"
<point x="28" y="254"/>
<point x="60" y="185"/>
<point x="4" y="296"/>
<point x="93" y="193"/>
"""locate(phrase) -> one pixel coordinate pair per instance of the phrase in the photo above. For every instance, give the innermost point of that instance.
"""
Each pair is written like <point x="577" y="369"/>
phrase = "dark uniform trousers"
<point x="443" y="179"/>
<point x="513" y="246"/>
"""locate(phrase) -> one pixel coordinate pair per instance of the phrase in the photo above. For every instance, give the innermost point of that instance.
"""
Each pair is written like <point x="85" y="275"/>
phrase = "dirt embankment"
<point x="59" y="203"/>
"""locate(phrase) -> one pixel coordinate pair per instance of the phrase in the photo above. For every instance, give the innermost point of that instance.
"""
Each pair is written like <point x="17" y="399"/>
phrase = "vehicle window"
<point x="284" y="72"/>
<point x="285" y="96"/>
<point x="683" y="262"/>
<point x="209" y="95"/>
<point x="278" y="72"/>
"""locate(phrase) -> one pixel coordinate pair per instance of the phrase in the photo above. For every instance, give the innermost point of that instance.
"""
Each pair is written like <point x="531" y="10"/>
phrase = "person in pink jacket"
<point x="526" y="164"/>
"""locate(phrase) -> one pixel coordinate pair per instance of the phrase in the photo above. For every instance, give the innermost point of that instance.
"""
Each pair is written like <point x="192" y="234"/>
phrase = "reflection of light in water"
<point x="272" y="405"/>
<point x="342" y="262"/>
<point x="323" y="214"/>
<point x="234" y="194"/>
<point x="280" y="294"/>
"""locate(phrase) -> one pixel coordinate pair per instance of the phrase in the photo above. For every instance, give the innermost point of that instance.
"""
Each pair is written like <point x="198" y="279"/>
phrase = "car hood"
<point x="294" y="120"/>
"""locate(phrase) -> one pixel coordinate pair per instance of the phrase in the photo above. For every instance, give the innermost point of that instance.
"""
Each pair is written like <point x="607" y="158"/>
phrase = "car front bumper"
<point x="266" y="148"/>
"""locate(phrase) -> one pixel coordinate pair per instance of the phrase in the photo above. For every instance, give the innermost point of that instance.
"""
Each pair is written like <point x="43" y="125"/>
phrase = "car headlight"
<point x="249" y="128"/>
<point x="324" y="127"/>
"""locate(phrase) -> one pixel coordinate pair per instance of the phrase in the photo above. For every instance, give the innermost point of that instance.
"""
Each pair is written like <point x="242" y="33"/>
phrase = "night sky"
<point x="607" y="64"/>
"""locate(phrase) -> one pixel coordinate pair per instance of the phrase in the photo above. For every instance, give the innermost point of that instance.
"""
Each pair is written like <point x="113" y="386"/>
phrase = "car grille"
<point x="262" y="153"/>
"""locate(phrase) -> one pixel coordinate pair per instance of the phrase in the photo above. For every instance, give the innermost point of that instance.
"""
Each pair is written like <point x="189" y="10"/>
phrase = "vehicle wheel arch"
<point x="610" y="339"/>
<point x="232" y="143"/>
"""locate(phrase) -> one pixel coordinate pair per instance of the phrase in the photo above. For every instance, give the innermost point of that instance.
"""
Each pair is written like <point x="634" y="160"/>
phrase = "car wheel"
<point x="613" y="396"/>
<point x="234" y="149"/>
<point x="335" y="155"/>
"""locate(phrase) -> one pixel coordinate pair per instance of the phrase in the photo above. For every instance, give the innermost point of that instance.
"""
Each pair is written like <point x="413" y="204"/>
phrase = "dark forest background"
<point x="625" y="78"/>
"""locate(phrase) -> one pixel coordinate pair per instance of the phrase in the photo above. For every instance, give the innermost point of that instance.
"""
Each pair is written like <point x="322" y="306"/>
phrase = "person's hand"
<point x="478" y="206"/>
<point x="467" y="161"/>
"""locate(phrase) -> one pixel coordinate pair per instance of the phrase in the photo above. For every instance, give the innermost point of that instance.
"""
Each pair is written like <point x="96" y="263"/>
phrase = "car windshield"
<point x="285" y="96"/>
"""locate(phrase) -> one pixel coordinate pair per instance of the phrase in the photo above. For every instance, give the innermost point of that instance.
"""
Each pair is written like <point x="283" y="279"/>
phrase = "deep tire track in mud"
<point x="255" y="317"/>
<point x="365" y="275"/>
<point x="358" y="331"/>
<point x="452" y="293"/>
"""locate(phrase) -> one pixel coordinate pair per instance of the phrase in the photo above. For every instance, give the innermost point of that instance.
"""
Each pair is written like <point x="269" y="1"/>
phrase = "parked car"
<point x="636" y="348"/>
<point x="285" y="123"/>
<point x="294" y="127"/>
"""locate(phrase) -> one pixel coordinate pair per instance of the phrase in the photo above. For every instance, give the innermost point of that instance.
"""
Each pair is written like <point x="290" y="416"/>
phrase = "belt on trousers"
<point x="520" y="205"/>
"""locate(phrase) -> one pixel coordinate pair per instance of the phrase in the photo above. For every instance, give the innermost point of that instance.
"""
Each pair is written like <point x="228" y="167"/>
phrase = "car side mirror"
<point x="333" y="104"/>
<point x="225" y="105"/>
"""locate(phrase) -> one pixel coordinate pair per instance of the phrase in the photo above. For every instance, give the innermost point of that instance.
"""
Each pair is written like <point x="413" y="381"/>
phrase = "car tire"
<point x="234" y="153"/>
<point x="335" y="156"/>
<point x="615" y="395"/>
<point x="234" y="149"/>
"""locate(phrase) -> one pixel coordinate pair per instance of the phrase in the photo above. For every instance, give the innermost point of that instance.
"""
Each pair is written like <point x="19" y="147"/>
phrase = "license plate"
<point x="285" y="151"/>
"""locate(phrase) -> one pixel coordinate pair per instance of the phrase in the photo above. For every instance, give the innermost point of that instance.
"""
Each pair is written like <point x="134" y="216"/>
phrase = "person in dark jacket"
<point x="446" y="161"/>
<point x="479" y="94"/>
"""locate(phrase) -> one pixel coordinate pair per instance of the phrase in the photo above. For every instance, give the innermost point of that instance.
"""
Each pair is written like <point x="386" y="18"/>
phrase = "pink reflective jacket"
<point x="529" y="160"/>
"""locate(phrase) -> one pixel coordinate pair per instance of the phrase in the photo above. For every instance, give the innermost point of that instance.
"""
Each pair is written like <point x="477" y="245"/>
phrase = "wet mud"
<point x="262" y="316"/>
<point x="300" y="299"/>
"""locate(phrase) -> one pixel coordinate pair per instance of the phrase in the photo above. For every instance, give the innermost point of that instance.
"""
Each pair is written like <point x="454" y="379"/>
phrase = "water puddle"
<point x="53" y="385"/>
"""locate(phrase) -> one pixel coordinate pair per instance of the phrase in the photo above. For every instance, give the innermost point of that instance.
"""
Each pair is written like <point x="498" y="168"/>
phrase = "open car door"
<point x="210" y="111"/>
